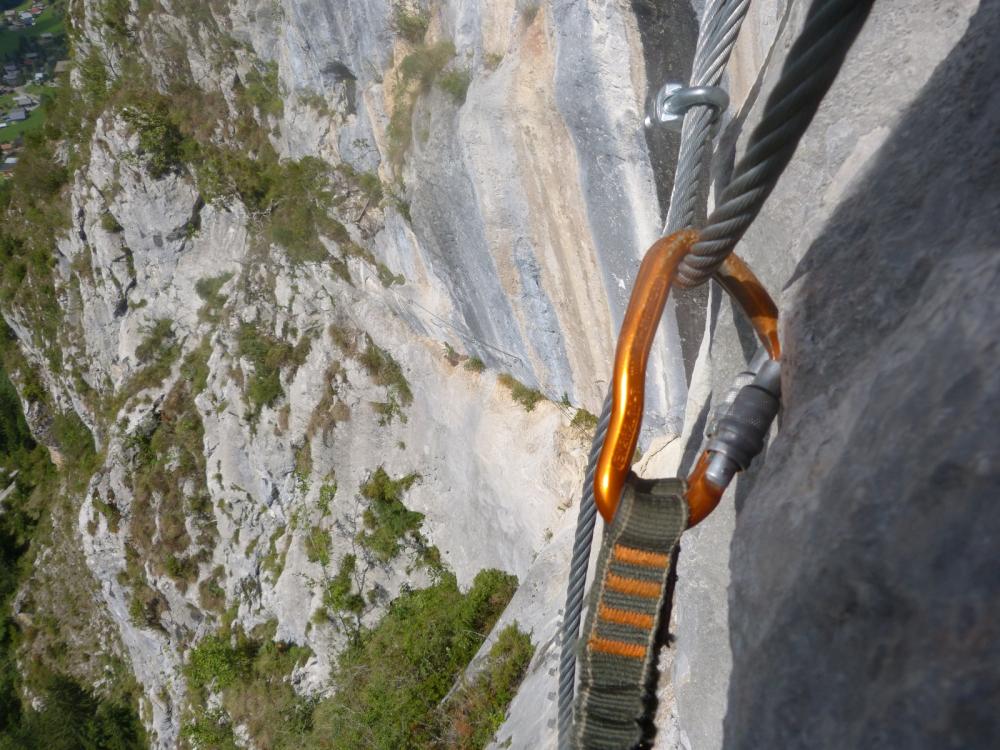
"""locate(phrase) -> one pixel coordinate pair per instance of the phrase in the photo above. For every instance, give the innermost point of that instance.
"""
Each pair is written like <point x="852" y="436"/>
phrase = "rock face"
<point x="505" y="237"/>
<point x="866" y="548"/>
<point x="845" y="593"/>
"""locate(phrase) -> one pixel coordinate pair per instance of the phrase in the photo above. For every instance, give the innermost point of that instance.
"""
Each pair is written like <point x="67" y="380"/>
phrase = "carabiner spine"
<point x="639" y="326"/>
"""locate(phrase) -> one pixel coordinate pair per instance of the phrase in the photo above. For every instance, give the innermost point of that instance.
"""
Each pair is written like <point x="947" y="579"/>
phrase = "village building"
<point x="17" y="115"/>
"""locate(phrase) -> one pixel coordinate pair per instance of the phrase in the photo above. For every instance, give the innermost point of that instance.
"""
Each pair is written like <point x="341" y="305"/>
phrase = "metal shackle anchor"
<point x="673" y="100"/>
<point x="741" y="431"/>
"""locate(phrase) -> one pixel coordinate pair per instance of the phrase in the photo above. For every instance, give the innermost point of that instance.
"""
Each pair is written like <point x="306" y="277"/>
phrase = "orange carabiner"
<point x="642" y="318"/>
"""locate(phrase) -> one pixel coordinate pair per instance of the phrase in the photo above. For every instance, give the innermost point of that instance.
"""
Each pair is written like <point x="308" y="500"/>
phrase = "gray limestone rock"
<point x="845" y="593"/>
<point x="865" y="594"/>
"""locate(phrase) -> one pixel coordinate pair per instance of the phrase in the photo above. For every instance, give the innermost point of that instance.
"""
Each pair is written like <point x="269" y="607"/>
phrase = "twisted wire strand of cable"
<point x="717" y="35"/>
<point x="578" y="580"/>
<point x="810" y="69"/>
<point x="715" y="45"/>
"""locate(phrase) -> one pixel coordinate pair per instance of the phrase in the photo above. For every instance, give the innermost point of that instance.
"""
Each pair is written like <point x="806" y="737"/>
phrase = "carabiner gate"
<point x="642" y="317"/>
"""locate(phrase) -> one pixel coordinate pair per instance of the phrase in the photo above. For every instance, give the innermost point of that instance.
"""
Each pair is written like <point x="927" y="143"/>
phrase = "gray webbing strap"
<point x="618" y="655"/>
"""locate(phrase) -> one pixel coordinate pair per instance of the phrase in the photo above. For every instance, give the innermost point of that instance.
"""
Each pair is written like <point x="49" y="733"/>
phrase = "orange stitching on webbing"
<point x="617" y="648"/>
<point x="634" y="556"/>
<point x="633" y="586"/>
<point x="626" y="617"/>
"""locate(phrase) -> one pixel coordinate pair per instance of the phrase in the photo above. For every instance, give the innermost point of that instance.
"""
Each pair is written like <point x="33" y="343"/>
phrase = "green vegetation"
<point x="210" y="291"/>
<point x="114" y="16"/>
<point x="303" y="466"/>
<point x="300" y="214"/>
<point x="268" y="356"/>
<point x="291" y="200"/>
<point x="109" y="223"/>
<point x="274" y="560"/>
<point x="210" y="592"/>
<point x="492" y="60"/>
<point x="456" y="83"/>
<point x="522" y="394"/>
<point x="33" y="216"/>
<point x="368" y="183"/>
<point x="400" y="130"/>
<point x="160" y="140"/>
<point x="326" y="495"/>
<point x="344" y="604"/>
<point x="477" y="709"/>
<point x="252" y="674"/>
<point x="425" y="63"/>
<point x="411" y="24"/>
<point x="158" y="341"/>
<point x="263" y="90"/>
<point x="387" y="521"/>
<point x="210" y="729"/>
<point x="216" y="664"/>
<point x="156" y="354"/>
<point x="318" y="546"/>
<point x="76" y="444"/>
<point x="474" y="364"/>
<point x="194" y="368"/>
<point x="72" y="716"/>
<point x="421" y="67"/>
<point x="386" y="371"/>
<point x="392" y="679"/>
<point x="584" y="420"/>
<point x="169" y="489"/>
<point x="452" y="357"/>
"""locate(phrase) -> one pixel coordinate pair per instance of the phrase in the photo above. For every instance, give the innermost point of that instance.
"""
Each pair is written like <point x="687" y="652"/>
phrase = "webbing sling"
<point x="618" y="660"/>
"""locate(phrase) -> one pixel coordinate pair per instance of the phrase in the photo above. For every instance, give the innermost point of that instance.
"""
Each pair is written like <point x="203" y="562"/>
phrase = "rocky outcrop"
<point x="500" y="237"/>
<point x="505" y="239"/>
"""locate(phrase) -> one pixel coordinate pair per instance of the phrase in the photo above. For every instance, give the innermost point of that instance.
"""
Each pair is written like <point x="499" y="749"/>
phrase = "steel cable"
<point x="812" y="64"/>
<point x="573" y="610"/>
<point x="810" y="69"/>
<point x="719" y="29"/>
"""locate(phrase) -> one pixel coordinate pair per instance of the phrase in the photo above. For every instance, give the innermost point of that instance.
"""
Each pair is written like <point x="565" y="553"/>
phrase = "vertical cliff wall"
<point x="317" y="253"/>
<point x="326" y="267"/>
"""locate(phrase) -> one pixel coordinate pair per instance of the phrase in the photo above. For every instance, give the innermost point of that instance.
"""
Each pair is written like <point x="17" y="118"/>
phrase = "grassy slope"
<point x="72" y="717"/>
